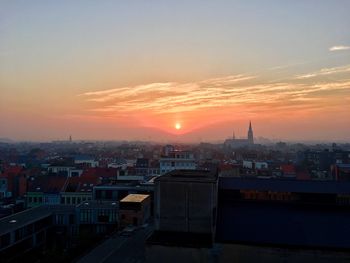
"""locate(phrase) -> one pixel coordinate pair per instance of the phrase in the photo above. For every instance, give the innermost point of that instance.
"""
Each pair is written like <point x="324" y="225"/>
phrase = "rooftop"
<point x="12" y="222"/>
<point x="136" y="198"/>
<point x="98" y="204"/>
<point x="283" y="185"/>
<point x="283" y="225"/>
<point x="188" y="175"/>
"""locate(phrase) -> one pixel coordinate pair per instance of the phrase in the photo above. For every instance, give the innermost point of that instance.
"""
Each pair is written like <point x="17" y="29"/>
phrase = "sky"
<point x="173" y="70"/>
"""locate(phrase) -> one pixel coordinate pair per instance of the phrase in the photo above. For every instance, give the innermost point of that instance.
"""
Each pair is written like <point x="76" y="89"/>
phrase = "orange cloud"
<point x="201" y="103"/>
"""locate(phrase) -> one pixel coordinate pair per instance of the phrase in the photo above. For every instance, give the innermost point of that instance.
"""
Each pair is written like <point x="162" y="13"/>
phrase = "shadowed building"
<point x="135" y="209"/>
<point x="185" y="216"/>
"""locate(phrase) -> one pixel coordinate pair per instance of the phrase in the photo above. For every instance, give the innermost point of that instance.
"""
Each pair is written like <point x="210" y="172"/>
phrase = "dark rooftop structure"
<point x="47" y="184"/>
<point x="15" y="221"/>
<point x="189" y="175"/>
<point x="98" y="204"/>
<point x="315" y="219"/>
<point x="283" y="225"/>
<point x="283" y="185"/>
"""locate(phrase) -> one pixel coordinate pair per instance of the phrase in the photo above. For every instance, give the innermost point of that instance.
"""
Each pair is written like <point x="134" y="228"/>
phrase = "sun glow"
<point x="177" y="126"/>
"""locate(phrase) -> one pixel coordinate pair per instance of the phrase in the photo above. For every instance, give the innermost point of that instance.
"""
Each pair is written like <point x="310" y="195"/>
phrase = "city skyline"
<point x="153" y="70"/>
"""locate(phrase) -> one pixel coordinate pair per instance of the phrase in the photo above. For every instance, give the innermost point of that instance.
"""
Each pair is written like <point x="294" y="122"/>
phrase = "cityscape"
<point x="174" y="131"/>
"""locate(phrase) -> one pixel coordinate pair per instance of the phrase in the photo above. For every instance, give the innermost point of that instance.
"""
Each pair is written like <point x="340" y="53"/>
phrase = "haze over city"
<point x="192" y="131"/>
<point x="181" y="70"/>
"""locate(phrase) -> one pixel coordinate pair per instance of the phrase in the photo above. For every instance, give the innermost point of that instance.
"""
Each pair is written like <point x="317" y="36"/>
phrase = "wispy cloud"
<point x="338" y="48"/>
<point x="325" y="71"/>
<point x="230" y="91"/>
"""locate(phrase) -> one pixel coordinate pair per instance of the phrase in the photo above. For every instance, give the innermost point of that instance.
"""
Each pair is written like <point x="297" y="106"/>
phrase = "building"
<point x="238" y="143"/>
<point x="185" y="201"/>
<point x="116" y="192"/>
<point x="341" y="172"/>
<point x="62" y="170"/>
<point x="281" y="220"/>
<point x="23" y="231"/>
<point x="78" y="189"/>
<point x="177" y="160"/>
<point x="185" y="217"/>
<point x="98" y="216"/>
<point x="255" y="165"/>
<point x="142" y="165"/>
<point x="13" y="182"/>
<point x="135" y="209"/>
<point x="167" y="149"/>
<point x="85" y="161"/>
<point x="45" y="190"/>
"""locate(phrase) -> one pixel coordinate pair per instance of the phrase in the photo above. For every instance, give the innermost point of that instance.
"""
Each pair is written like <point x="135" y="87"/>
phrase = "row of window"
<point x="67" y="200"/>
<point x="73" y="200"/>
<point x="177" y="164"/>
<point x="35" y="199"/>
<point x="101" y="216"/>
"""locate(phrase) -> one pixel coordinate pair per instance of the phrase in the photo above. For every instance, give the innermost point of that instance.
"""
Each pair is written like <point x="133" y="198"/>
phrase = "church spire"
<point x="250" y="134"/>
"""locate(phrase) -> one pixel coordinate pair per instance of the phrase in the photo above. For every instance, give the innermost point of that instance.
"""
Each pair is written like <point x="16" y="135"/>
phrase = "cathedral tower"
<point x="250" y="134"/>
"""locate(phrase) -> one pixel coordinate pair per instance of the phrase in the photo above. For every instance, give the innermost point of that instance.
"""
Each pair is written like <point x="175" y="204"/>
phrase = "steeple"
<point x="250" y="134"/>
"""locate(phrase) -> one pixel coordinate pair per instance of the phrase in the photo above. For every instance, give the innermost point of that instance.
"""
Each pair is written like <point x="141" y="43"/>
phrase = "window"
<point x="59" y="219"/>
<point x="85" y="216"/>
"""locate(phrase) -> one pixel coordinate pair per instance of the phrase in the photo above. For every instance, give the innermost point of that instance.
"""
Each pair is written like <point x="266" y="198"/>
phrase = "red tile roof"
<point x="12" y="171"/>
<point x="288" y="168"/>
<point x="47" y="184"/>
<point x="303" y="175"/>
<point x="82" y="183"/>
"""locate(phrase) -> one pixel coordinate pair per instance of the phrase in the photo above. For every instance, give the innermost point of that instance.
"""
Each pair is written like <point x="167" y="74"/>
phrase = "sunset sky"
<point x="136" y="69"/>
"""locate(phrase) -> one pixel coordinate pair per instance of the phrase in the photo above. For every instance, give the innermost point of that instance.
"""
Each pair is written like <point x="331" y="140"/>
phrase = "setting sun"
<point x="177" y="126"/>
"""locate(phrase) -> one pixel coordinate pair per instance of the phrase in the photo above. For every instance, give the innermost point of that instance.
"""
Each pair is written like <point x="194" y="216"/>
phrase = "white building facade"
<point x="177" y="160"/>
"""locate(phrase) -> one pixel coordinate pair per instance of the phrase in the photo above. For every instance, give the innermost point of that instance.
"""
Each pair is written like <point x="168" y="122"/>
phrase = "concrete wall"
<point x="185" y="207"/>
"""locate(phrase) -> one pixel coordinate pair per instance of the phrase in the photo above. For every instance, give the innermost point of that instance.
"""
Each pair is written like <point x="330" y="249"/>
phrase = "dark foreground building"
<point x="264" y="220"/>
<point x="185" y="216"/>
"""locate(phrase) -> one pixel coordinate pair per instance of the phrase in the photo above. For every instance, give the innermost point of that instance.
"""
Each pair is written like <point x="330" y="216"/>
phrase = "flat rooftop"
<point x="283" y="225"/>
<point x="188" y="175"/>
<point x="98" y="204"/>
<point x="134" y="198"/>
<point x="284" y="185"/>
<point x="15" y="221"/>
